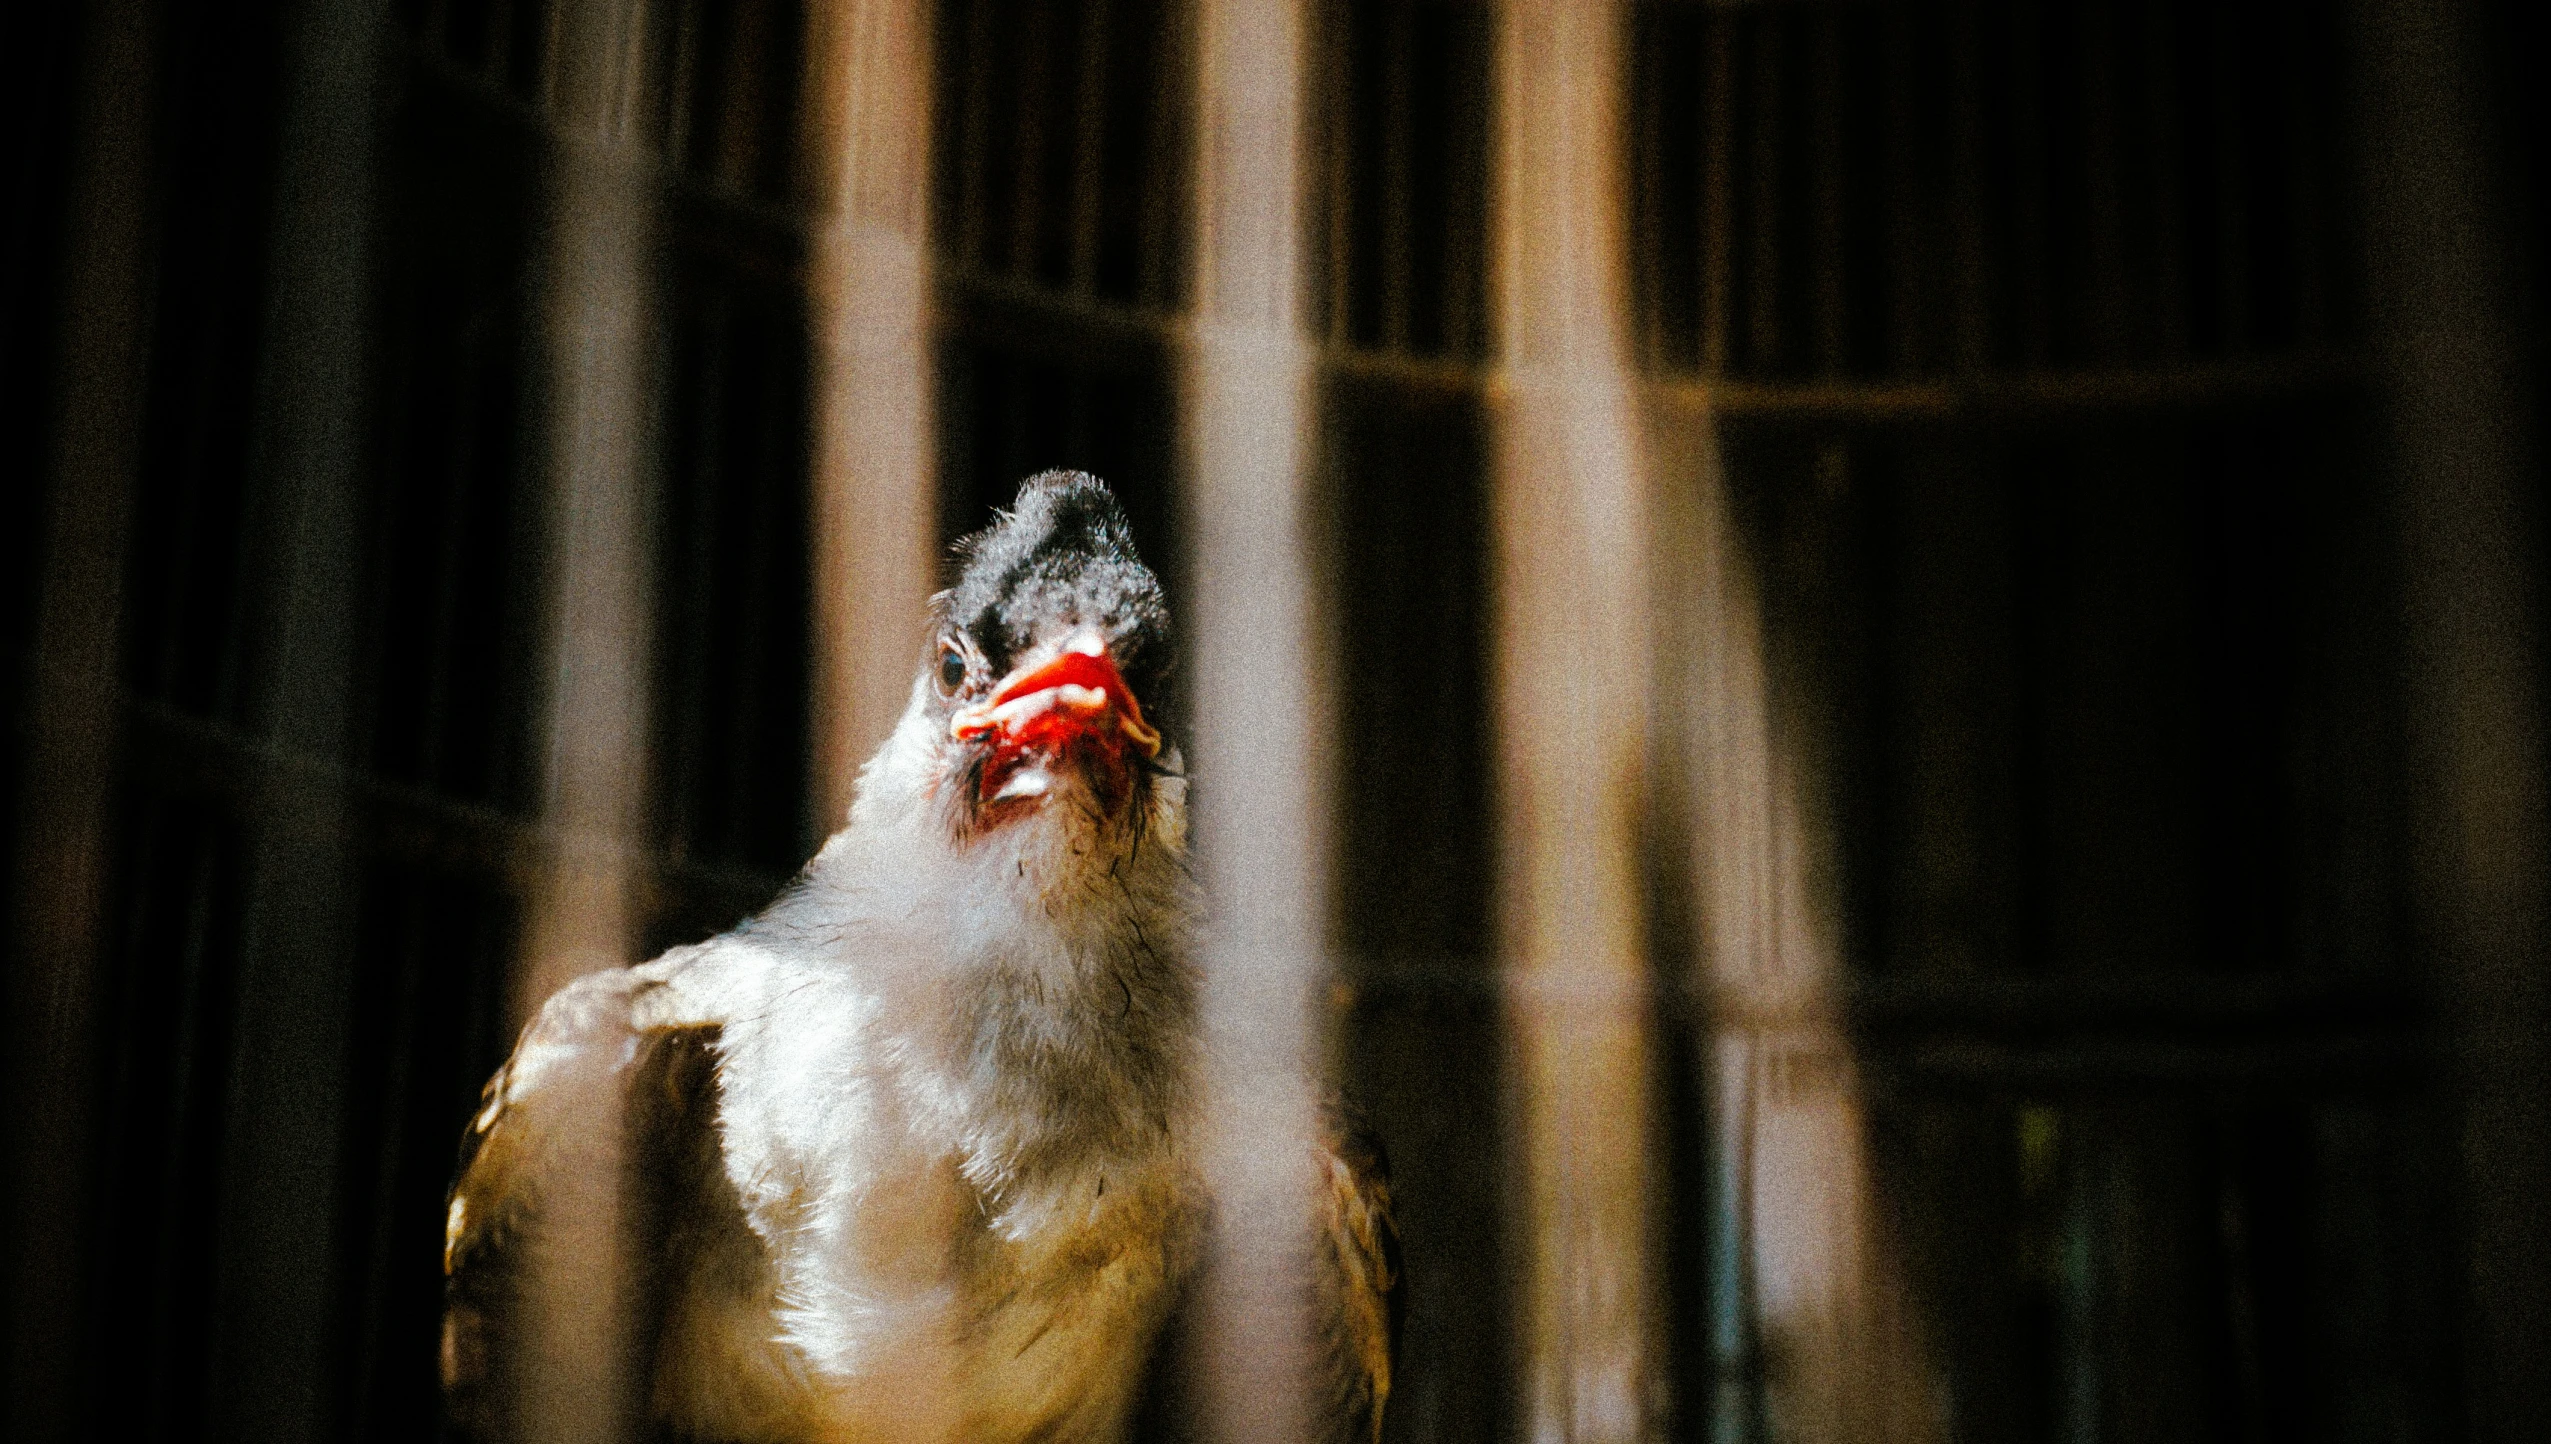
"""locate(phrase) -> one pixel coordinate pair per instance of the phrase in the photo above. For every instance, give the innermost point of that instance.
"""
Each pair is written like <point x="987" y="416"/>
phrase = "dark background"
<point x="2079" y="402"/>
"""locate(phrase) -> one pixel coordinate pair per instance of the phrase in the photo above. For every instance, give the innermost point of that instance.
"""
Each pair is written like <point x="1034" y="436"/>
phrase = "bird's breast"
<point x="932" y="1311"/>
<point x="1061" y="1311"/>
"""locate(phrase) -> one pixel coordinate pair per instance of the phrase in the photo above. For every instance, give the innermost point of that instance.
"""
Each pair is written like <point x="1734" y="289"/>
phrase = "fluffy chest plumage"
<point x="930" y="1254"/>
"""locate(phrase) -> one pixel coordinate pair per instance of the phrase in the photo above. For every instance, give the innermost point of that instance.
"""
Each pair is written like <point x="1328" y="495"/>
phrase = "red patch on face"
<point x="1073" y="711"/>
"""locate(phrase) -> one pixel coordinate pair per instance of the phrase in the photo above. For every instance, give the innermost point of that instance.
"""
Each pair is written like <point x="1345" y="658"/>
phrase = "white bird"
<point x="909" y="1155"/>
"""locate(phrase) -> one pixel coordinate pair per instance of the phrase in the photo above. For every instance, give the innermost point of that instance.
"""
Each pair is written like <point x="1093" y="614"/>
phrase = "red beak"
<point x="1073" y="705"/>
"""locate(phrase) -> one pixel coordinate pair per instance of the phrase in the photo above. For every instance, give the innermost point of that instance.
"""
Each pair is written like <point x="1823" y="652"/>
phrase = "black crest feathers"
<point x="1062" y="557"/>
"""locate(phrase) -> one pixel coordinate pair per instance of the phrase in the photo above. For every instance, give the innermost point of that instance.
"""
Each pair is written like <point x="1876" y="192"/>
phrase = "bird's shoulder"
<point x="616" y="1065"/>
<point x="571" y="1065"/>
<point x="1366" y="1284"/>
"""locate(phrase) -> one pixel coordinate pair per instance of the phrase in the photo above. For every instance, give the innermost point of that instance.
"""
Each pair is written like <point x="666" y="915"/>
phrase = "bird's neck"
<point x="1053" y="1026"/>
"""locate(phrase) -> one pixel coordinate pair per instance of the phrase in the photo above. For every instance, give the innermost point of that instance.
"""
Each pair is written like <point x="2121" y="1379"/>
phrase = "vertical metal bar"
<point x="685" y="85"/>
<point x="1733" y="1412"/>
<point x="2102" y="158"/>
<point x="1969" y="290"/>
<point x="1647" y="81"/>
<point x="2032" y="169"/>
<point x="2231" y="174"/>
<point x="1570" y="580"/>
<point x="1771" y="138"/>
<point x="295" y="984"/>
<point x="2303" y="139"/>
<point x="1034" y="100"/>
<point x="974" y="194"/>
<point x="382" y="1253"/>
<point x="2442" y="280"/>
<point x="1912" y="250"/>
<point x="595" y="331"/>
<point x="500" y="39"/>
<point x="1162" y="259"/>
<point x="1718" y="192"/>
<point x="561" y="29"/>
<point x="1825" y="121"/>
<point x="1262" y="720"/>
<point x="1337" y="132"/>
<point x="197" y="1031"/>
<point x="159" y="679"/>
<point x="58" y="879"/>
<point x="439" y="657"/>
<point x="1465" y="240"/>
<point x="1398" y="137"/>
<point x="1089" y="155"/>
<point x="629" y="87"/>
<point x="1796" y="1272"/>
<point x="2167" y="315"/>
<point x="874" y="467"/>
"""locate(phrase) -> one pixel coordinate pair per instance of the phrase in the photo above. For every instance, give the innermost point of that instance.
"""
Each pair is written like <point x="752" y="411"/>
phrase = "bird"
<point x="912" y="1153"/>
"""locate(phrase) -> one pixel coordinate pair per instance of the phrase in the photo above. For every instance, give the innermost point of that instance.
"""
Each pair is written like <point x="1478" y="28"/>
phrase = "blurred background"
<point x="2120" y="419"/>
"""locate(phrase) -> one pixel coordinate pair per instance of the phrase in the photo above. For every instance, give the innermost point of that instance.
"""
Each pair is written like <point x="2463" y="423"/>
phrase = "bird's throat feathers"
<point x="1037" y="973"/>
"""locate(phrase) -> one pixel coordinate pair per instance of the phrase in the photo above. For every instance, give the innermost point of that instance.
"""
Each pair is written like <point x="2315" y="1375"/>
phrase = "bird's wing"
<point x="605" y="1109"/>
<point x="1364" y="1293"/>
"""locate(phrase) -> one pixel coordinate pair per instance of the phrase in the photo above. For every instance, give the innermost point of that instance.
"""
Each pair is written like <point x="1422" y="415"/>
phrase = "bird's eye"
<point x="951" y="669"/>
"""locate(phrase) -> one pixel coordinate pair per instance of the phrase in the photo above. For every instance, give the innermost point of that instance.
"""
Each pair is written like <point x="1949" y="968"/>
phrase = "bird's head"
<point x="1037" y="698"/>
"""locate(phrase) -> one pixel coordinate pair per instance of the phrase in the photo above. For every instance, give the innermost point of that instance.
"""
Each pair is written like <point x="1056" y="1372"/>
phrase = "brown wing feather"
<point x="542" y="1093"/>
<point x="1361" y="1296"/>
<point x="1365" y="1293"/>
<point x="584" y="1069"/>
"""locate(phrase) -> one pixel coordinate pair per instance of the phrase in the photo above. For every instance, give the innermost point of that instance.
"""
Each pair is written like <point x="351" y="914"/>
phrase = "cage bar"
<point x="1337" y="157"/>
<point x="2101" y="283"/>
<point x="1165" y="243"/>
<point x="2442" y="275"/>
<point x="287" y="1114"/>
<point x="1911" y="243"/>
<point x="572" y="1374"/>
<point x="2164" y="324"/>
<point x="1717" y="250"/>
<point x="874" y="475"/>
<point x="2028" y="266"/>
<point x="1037" y="112"/>
<point x="1569" y="578"/>
<point x="2227" y="86"/>
<point x="2302" y="132"/>
<point x="1261" y="720"/>
<point x="1766" y="149"/>
<point x="1398" y="139"/>
<point x="58" y="888"/>
<point x="1829" y="317"/>
<point x="1650" y="320"/>
<point x="1970" y="250"/>
<point x="1089" y="140"/>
